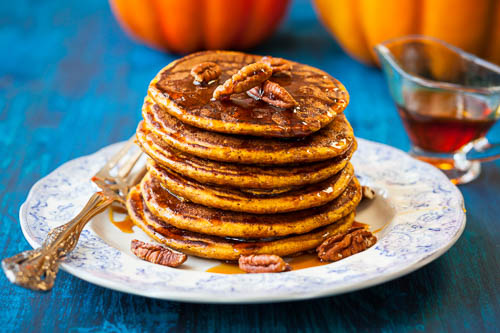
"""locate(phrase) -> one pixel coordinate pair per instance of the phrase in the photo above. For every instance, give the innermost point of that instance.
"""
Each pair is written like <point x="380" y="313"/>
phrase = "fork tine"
<point x="127" y="167"/>
<point x="117" y="186"/>
<point x="118" y="156"/>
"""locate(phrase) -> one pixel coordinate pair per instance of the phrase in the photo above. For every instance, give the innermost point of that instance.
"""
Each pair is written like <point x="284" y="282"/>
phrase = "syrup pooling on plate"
<point x="302" y="261"/>
<point x="307" y="260"/>
<point x="226" y="268"/>
<point x="124" y="225"/>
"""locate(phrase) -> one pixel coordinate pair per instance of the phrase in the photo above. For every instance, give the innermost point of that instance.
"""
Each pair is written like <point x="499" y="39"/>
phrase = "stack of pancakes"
<point x="238" y="176"/>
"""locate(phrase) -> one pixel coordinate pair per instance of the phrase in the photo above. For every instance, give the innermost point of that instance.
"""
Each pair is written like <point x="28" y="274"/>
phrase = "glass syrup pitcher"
<point x="447" y="99"/>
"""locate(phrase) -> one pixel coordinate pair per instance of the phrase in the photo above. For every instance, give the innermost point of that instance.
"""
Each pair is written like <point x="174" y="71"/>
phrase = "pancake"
<point x="320" y="98"/>
<point x="268" y="178"/>
<point x="197" y="218"/>
<point x="235" y="200"/>
<point x="332" y="141"/>
<point x="225" y="248"/>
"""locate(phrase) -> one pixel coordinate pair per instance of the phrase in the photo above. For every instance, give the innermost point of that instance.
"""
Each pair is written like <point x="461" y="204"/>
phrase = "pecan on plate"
<point x="205" y="73"/>
<point x="368" y="192"/>
<point x="246" y="78"/>
<point x="273" y="94"/>
<point x="263" y="263"/>
<point x="346" y="244"/>
<point x="157" y="254"/>
<point x="280" y="66"/>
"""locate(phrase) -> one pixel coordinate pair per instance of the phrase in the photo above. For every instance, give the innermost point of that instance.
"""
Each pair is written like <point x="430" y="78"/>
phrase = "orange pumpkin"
<point x="188" y="25"/>
<point x="358" y="25"/>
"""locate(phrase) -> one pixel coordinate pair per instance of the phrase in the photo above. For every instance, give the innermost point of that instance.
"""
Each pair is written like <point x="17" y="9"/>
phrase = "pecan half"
<point x="263" y="263"/>
<point x="346" y="244"/>
<point x="280" y="66"/>
<point x="368" y="193"/>
<point x="246" y="78"/>
<point x="273" y="94"/>
<point x="205" y="73"/>
<point x="157" y="254"/>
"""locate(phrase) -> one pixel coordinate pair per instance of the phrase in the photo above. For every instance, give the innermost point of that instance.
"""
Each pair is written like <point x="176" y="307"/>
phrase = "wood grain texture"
<point x="71" y="83"/>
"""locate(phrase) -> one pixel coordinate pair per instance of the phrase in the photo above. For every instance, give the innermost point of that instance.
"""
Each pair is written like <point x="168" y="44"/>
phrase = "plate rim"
<point x="207" y="298"/>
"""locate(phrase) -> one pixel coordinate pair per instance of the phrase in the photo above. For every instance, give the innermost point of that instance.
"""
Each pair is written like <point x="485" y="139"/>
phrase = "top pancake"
<point x="320" y="98"/>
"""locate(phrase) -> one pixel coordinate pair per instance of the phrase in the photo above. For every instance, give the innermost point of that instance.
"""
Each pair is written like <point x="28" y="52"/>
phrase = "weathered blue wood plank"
<point x="71" y="83"/>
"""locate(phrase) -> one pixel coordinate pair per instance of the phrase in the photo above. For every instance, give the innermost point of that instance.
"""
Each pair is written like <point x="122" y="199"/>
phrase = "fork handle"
<point x="37" y="269"/>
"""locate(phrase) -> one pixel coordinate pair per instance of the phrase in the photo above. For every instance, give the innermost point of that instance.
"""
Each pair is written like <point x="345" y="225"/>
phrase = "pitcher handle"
<point x="482" y="150"/>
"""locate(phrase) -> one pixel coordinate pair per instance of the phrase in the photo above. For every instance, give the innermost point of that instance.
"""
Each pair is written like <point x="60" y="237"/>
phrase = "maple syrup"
<point x="380" y="229"/>
<point x="357" y="224"/>
<point x="226" y="268"/>
<point x="300" y="262"/>
<point x="307" y="260"/>
<point x="442" y="124"/>
<point x="124" y="225"/>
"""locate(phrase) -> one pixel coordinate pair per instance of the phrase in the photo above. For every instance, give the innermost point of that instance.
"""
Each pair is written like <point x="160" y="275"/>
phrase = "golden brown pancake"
<point x="197" y="218"/>
<point x="268" y="178"/>
<point x="235" y="200"/>
<point x="320" y="98"/>
<point x="225" y="248"/>
<point x="332" y="141"/>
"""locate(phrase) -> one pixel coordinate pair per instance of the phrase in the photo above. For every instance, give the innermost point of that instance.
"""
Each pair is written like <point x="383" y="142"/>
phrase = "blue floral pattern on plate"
<point x="429" y="218"/>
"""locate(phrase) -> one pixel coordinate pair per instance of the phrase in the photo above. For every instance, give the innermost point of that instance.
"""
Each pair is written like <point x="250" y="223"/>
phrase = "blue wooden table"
<point x="71" y="83"/>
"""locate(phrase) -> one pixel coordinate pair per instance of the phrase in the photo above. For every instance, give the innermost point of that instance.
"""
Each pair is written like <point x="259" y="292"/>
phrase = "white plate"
<point x="420" y="211"/>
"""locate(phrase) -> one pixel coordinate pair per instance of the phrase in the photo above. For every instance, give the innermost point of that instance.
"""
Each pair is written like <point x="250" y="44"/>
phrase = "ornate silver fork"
<point x="37" y="269"/>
